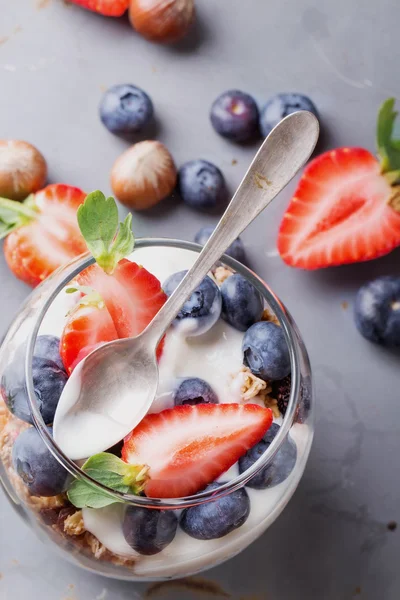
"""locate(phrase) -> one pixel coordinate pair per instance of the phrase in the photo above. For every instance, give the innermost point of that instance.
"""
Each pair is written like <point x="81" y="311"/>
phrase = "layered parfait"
<point x="223" y="391"/>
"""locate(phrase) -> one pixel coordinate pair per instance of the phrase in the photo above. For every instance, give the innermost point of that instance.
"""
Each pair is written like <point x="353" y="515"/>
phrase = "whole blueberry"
<point x="235" y="250"/>
<point x="39" y="470"/>
<point x="125" y="109"/>
<point x="202" y="185"/>
<point x="48" y="382"/>
<point x="280" y="106"/>
<point x="265" y="351"/>
<point x="377" y="311"/>
<point x="194" y="390"/>
<point x="216" y="518"/>
<point x="281" y="466"/>
<point x="202" y="310"/>
<point x="242" y="304"/>
<point x="48" y="347"/>
<point x="149" y="531"/>
<point x="234" y="115"/>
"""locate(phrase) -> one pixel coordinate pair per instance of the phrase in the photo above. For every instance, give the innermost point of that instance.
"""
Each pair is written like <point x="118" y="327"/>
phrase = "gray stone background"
<point x="332" y="542"/>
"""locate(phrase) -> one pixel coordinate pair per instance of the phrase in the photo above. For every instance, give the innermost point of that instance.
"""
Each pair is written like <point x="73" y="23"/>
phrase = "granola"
<point x="254" y="388"/>
<point x="269" y="316"/>
<point x="74" y="524"/>
<point x="54" y="513"/>
<point x="221" y="273"/>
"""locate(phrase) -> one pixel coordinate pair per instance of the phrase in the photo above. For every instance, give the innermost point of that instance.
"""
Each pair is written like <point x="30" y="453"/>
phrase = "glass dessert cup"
<point x="60" y="524"/>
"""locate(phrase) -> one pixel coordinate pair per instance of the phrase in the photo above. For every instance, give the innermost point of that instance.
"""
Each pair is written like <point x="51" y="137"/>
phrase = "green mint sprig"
<point x="111" y="471"/>
<point x="15" y="214"/>
<point x="388" y="146"/>
<point x="106" y="240"/>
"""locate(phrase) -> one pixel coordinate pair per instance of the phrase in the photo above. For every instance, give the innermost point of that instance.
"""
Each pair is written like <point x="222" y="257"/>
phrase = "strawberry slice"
<point x="345" y="208"/>
<point x="42" y="232"/>
<point x="87" y="328"/>
<point x="187" y="447"/>
<point x="122" y="297"/>
<point x="108" y="8"/>
<point x="133" y="296"/>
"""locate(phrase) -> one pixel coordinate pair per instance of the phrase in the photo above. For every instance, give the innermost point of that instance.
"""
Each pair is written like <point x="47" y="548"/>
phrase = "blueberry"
<point x="39" y="470"/>
<point x="265" y="351"/>
<point x="202" y="310"/>
<point x="242" y="304"/>
<point x="48" y="382"/>
<point x="125" y="109"/>
<point x="147" y="530"/>
<point x="216" y="518"/>
<point x="377" y="311"/>
<point x="48" y="346"/>
<point x="280" y="106"/>
<point x="234" y="115"/>
<point x="194" y="390"/>
<point x="202" y="185"/>
<point x="282" y="464"/>
<point x="235" y="250"/>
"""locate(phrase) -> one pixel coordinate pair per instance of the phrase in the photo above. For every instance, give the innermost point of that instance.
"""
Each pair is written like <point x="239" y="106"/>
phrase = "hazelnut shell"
<point x="162" y="21"/>
<point x="23" y="169"/>
<point x="143" y="175"/>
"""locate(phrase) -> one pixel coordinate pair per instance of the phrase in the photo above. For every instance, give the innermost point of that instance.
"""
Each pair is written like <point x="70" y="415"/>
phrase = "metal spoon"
<point x="113" y="388"/>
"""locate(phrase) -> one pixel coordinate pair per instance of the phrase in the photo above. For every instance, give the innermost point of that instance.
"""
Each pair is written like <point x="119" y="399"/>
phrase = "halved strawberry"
<point x="123" y="297"/>
<point x="133" y="296"/>
<point x="87" y="328"/>
<point x="346" y="206"/>
<point x="42" y="232"/>
<point x="108" y="8"/>
<point x="187" y="447"/>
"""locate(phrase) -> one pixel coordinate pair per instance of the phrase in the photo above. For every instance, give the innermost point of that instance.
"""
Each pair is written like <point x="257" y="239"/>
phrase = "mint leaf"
<point x="105" y="461"/>
<point x="112" y="472"/>
<point x="98" y="222"/>
<point x="82" y="494"/>
<point x="388" y="147"/>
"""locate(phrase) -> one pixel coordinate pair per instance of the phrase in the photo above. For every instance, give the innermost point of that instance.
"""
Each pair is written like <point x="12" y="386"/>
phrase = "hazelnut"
<point x="161" y="21"/>
<point x="23" y="169"/>
<point x="143" y="175"/>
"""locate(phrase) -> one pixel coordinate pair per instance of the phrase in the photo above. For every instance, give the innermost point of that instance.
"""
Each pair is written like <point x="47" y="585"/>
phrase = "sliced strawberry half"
<point x="128" y="301"/>
<point x="123" y="297"/>
<point x="133" y="296"/>
<point x="87" y="328"/>
<point x="187" y="447"/>
<point x="42" y="233"/>
<point x="345" y="208"/>
<point x="108" y="8"/>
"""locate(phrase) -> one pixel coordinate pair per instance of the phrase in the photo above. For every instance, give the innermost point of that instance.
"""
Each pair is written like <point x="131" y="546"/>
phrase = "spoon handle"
<point x="283" y="153"/>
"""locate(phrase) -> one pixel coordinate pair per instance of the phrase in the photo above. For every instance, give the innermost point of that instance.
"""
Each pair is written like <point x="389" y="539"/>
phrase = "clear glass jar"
<point x="61" y="525"/>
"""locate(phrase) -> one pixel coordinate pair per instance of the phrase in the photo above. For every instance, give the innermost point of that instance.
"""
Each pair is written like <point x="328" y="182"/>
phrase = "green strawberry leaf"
<point x="15" y="214"/>
<point x="112" y="472"/>
<point x="107" y="241"/>
<point x="388" y="146"/>
<point x="89" y="298"/>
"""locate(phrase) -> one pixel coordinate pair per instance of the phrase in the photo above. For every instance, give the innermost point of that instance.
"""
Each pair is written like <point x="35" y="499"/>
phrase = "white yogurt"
<point x="215" y="357"/>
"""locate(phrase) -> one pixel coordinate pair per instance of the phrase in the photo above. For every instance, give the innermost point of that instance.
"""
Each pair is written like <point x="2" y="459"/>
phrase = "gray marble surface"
<point x="332" y="541"/>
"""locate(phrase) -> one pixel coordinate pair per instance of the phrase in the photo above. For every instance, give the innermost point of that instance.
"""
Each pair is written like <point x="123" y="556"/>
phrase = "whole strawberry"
<point x="42" y="232"/>
<point x="108" y="8"/>
<point x="346" y="207"/>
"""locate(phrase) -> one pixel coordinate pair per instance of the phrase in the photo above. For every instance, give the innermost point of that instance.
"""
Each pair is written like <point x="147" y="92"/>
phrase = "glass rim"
<point x="71" y="270"/>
